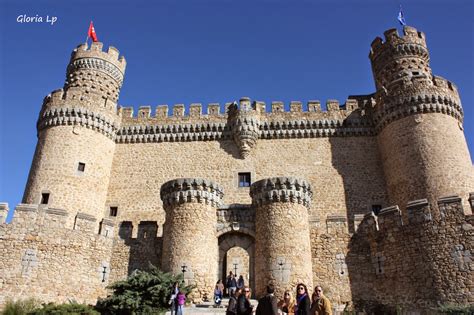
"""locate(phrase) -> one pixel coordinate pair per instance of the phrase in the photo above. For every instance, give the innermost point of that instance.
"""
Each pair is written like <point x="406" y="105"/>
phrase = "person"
<point x="303" y="303"/>
<point x="240" y="282"/>
<point x="321" y="304"/>
<point x="243" y="303"/>
<point x="231" y="283"/>
<point x="287" y="304"/>
<point x="181" y="299"/>
<point x="218" y="294"/>
<point x="232" y="307"/>
<point x="267" y="305"/>
<point x="174" y="294"/>
<point x="228" y="282"/>
<point x="221" y="285"/>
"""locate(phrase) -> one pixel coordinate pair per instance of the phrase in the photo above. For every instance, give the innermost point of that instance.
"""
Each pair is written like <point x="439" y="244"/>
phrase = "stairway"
<point x="210" y="308"/>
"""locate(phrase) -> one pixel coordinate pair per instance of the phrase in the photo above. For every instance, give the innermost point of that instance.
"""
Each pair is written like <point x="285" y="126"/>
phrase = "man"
<point x="231" y="283"/>
<point x="267" y="305"/>
<point x="321" y="304"/>
<point x="243" y="303"/>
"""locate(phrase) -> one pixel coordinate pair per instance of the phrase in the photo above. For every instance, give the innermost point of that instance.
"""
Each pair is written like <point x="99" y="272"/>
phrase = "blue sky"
<point x="214" y="51"/>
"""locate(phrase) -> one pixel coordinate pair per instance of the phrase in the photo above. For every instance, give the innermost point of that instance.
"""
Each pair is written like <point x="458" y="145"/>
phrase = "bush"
<point x="143" y="292"/>
<point x="71" y="308"/>
<point x="454" y="309"/>
<point x="20" y="307"/>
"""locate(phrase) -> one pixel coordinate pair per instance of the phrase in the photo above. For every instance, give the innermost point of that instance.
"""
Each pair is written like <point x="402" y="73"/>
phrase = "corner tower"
<point x="76" y="132"/>
<point x="419" y="119"/>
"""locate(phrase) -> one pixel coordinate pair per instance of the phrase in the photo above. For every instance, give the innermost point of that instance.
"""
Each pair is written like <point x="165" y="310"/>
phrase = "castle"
<point x="370" y="198"/>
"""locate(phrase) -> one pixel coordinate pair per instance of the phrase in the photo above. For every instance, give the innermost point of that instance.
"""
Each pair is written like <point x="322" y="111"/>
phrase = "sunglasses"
<point x="287" y="294"/>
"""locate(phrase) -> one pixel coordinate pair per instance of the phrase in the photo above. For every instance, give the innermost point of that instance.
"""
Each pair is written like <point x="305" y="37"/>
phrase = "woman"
<point x="287" y="304"/>
<point x="232" y="307"/>
<point x="303" y="303"/>
<point x="180" y="299"/>
<point x="243" y="303"/>
<point x="218" y="292"/>
<point x="174" y="294"/>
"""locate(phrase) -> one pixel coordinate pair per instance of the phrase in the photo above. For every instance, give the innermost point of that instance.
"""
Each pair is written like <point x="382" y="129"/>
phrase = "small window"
<point x="376" y="209"/>
<point x="416" y="73"/>
<point x="44" y="198"/>
<point x="113" y="211"/>
<point x="244" y="179"/>
<point x="81" y="167"/>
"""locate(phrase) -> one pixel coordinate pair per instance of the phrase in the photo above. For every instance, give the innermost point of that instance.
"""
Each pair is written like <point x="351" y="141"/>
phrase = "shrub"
<point x="20" y="307"/>
<point x="455" y="309"/>
<point x="71" y="308"/>
<point x="143" y="292"/>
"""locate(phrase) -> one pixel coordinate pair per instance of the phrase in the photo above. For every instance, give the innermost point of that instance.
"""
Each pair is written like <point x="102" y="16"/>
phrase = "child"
<point x="181" y="299"/>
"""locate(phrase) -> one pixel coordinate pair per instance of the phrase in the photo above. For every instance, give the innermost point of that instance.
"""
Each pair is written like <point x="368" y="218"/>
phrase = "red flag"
<point x="91" y="33"/>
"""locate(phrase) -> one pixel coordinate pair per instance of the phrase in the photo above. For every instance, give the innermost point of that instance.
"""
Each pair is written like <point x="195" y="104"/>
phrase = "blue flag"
<point x="401" y="18"/>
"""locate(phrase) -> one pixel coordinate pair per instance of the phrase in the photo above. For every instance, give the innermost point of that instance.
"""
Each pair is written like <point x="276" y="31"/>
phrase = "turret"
<point x="419" y="118"/>
<point x="76" y="135"/>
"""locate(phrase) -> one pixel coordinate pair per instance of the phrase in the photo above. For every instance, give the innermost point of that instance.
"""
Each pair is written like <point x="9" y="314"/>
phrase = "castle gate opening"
<point x="237" y="254"/>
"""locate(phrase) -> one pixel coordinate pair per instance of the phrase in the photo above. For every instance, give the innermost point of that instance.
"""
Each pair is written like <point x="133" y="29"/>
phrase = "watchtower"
<point x="76" y="134"/>
<point x="418" y="117"/>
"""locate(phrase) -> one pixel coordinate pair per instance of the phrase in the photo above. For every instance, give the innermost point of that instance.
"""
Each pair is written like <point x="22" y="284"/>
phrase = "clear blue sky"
<point x="214" y="51"/>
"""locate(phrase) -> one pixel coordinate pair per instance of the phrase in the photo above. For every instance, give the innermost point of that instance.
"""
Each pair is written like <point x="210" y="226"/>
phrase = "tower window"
<point x="81" y="167"/>
<point x="376" y="209"/>
<point x="244" y="179"/>
<point x="44" y="198"/>
<point x="113" y="211"/>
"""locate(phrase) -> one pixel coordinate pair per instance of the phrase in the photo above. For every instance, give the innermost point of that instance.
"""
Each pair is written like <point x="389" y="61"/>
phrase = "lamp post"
<point x="281" y="269"/>
<point x="104" y="272"/>
<point x="235" y="269"/>
<point x="183" y="269"/>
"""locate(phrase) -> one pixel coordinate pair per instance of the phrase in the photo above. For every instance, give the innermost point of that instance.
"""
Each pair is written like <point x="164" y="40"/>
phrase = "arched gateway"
<point x="205" y="239"/>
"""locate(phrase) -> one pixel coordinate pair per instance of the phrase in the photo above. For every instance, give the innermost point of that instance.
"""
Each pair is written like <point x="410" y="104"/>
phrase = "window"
<point x="376" y="209"/>
<point x="244" y="179"/>
<point x="81" y="167"/>
<point x="44" y="198"/>
<point x="113" y="211"/>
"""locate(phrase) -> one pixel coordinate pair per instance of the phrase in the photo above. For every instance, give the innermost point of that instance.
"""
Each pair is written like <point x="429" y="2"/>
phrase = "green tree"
<point x="143" y="292"/>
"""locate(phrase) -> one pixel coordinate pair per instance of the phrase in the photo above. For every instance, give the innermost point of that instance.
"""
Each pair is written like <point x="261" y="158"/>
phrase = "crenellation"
<point x="314" y="106"/>
<point x="178" y="110"/>
<point x="389" y="218"/>
<point x="144" y="112"/>
<point x="126" y="112"/>
<point x="277" y="107"/>
<point x="296" y="107"/>
<point x="195" y="110"/>
<point x="161" y="111"/>
<point x="85" y="222"/>
<point x="213" y="109"/>
<point x="418" y="211"/>
<point x="332" y="105"/>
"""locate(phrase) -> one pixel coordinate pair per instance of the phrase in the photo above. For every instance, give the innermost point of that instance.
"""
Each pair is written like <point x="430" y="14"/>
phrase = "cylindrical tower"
<point x="76" y="131"/>
<point x="282" y="238"/>
<point x="190" y="244"/>
<point x="419" y="119"/>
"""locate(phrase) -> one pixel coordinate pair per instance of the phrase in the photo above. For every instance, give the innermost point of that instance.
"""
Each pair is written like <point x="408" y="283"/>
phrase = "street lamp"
<point x="104" y="272"/>
<point x="235" y="269"/>
<point x="183" y="269"/>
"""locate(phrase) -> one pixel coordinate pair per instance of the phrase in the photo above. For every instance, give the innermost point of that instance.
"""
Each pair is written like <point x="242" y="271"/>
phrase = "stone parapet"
<point x="191" y="190"/>
<point x="281" y="189"/>
<point x="3" y="212"/>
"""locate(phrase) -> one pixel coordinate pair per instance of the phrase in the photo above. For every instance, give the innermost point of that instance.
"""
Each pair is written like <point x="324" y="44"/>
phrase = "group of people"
<point x="232" y="284"/>
<point x="239" y="301"/>
<point x="318" y="304"/>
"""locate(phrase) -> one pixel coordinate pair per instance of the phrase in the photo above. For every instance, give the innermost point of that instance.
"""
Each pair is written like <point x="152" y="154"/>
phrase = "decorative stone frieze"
<point x="281" y="189"/>
<point x="99" y="65"/>
<point x="191" y="190"/>
<point x="77" y="116"/>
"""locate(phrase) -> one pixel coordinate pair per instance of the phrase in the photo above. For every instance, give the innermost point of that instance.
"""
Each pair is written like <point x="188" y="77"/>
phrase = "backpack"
<point x="232" y="307"/>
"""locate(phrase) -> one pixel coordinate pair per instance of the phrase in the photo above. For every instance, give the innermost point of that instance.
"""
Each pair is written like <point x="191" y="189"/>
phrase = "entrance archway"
<point x="237" y="252"/>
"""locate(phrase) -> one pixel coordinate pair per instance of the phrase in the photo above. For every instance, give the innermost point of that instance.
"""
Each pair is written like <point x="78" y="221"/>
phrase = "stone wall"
<point x="46" y="258"/>
<point x="415" y="264"/>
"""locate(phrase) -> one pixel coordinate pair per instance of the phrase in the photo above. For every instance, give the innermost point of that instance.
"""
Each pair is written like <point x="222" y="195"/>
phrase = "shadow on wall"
<point x="141" y="251"/>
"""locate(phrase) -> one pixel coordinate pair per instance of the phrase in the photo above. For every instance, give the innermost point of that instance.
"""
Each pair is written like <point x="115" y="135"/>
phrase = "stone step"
<point x="210" y="308"/>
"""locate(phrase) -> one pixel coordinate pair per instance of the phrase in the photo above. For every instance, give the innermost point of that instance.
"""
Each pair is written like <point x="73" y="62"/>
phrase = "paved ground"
<point x="209" y="308"/>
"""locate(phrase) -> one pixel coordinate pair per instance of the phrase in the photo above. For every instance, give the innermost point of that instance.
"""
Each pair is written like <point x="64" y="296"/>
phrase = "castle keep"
<point x="370" y="198"/>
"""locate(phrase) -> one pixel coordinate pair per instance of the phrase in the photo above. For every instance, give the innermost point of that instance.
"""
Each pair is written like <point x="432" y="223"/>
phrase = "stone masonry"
<point x="353" y="197"/>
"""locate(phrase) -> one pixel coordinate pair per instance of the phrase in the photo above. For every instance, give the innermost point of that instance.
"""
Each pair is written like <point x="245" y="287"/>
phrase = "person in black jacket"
<point x="243" y="303"/>
<point x="267" y="305"/>
<point x="303" y="303"/>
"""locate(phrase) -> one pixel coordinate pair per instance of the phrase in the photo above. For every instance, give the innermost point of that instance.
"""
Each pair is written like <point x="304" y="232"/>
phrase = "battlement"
<point x="95" y="51"/>
<point x="412" y="42"/>
<point x="178" y="111"/>
<point x="418" y="212"/>
<point x="32" y="217"/>
<point x="150" y="230"/>
<point x="281" y="189"/>
<point x="184" y="190"/>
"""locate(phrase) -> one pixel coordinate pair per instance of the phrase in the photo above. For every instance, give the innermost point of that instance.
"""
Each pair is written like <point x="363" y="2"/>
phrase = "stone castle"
<point x="370" y="198"/>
